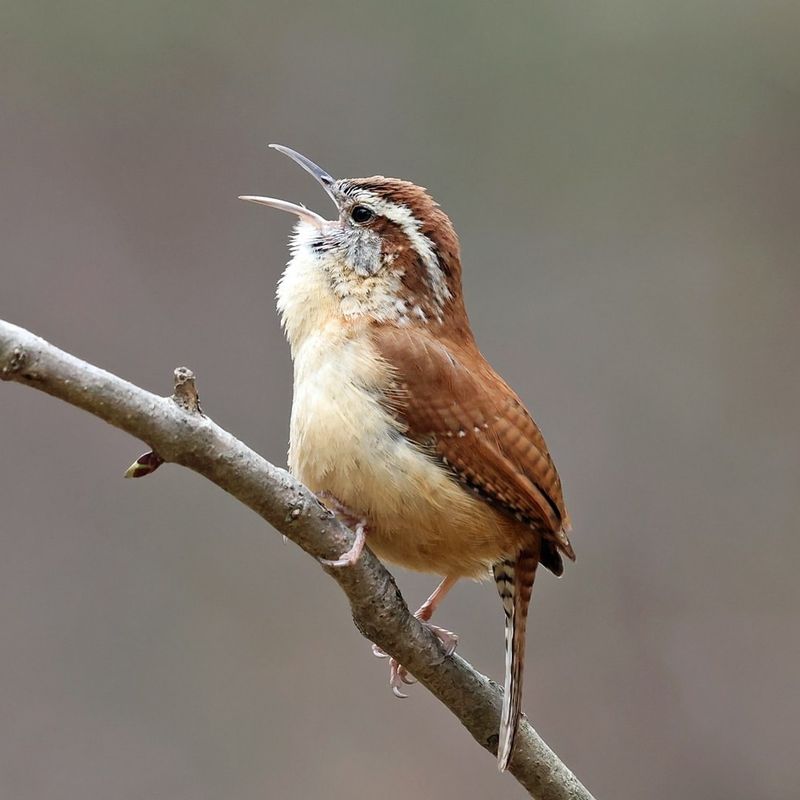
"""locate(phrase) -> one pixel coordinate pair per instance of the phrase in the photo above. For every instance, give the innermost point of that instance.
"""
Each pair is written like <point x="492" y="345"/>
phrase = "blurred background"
<point x="625" y="178"/>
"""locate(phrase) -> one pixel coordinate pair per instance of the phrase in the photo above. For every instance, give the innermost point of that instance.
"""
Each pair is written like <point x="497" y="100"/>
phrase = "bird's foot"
<point x="350" y="557"/>
<point x="358" y="526"/>
<point x="398" y="674"/>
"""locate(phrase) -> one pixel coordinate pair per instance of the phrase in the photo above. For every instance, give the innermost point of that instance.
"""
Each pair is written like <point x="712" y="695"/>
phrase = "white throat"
<point x="318" y="288"/>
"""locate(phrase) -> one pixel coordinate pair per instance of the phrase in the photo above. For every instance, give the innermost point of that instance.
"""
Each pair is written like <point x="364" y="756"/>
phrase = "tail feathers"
<point x="514" y="578"/>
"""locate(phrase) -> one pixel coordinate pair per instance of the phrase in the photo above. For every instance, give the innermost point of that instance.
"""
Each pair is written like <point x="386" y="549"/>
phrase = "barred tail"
<point x="514" y="578"/>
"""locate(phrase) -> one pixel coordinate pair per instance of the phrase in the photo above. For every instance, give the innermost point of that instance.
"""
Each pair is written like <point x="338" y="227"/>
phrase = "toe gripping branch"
<point x="354" y="553"/>
<point x="358" y="525"/>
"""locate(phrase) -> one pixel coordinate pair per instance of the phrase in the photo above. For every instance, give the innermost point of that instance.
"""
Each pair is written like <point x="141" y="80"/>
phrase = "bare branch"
<point x="177" y="431"/>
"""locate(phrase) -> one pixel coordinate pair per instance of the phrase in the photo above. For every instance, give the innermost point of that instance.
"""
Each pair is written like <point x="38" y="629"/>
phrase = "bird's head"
<point x="391" y="254"/>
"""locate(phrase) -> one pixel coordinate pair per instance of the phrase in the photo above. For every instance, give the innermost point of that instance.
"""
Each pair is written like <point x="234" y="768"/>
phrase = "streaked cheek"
<point x="364" y="254"/>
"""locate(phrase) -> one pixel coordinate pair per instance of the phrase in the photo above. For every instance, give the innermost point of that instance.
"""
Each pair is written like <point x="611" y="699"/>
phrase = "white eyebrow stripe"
<point x="401" y="215"/>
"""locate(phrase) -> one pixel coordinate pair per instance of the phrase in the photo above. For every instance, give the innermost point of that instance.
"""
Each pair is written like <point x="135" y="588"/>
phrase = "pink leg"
<point x="353" y="554"/>
<point x="358" y="526"/>
<point x="398" y="674"/>
<point x="428" y="608"/>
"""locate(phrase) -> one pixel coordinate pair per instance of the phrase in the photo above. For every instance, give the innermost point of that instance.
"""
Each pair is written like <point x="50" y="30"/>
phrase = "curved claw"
<point x="399" y="675"/>
<point x="378" y="653"/>
<point x="448" y="639"/>
<point x="406" y="677"/>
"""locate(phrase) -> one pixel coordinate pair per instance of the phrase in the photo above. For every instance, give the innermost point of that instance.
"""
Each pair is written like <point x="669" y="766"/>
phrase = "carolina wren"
<point x="399" y="421"/>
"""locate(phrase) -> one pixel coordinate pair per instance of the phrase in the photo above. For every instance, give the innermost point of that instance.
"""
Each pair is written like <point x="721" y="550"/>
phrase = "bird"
<point x="399" y="424"/>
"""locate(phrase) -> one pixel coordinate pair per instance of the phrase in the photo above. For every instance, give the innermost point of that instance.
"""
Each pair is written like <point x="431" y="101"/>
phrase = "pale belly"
<point x="343" y="442"/>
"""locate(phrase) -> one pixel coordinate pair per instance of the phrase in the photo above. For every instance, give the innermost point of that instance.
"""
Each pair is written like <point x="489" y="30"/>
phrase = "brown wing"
<point x="452" y="401"/>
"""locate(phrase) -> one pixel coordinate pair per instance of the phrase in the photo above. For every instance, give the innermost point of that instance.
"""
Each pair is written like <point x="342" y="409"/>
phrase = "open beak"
<point x="322" y="177"/>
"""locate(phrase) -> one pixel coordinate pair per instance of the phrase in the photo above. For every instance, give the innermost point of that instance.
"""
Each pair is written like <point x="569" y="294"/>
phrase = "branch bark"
<point x="177" y="431"/>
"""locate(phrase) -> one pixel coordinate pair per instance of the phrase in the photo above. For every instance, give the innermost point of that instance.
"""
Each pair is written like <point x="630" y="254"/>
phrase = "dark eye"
<point x="361" y="214"/>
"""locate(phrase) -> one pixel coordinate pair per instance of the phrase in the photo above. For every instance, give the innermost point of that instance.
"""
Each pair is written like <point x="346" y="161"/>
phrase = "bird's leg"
<point x="398" y="674"/>
<point x="427" y="609"/>
<point x="357" y="524"/>
<point x="348" y="558"/>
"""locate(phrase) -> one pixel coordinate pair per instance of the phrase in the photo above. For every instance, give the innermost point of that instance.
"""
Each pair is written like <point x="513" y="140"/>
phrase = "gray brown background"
<point x="625" y="178"/>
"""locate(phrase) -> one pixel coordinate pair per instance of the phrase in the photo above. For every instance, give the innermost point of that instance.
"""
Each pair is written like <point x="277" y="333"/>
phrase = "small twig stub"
<point x="186" y="395"/>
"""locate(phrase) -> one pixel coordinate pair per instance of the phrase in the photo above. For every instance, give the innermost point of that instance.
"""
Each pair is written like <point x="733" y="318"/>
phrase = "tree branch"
<point x="177" y="431"/>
